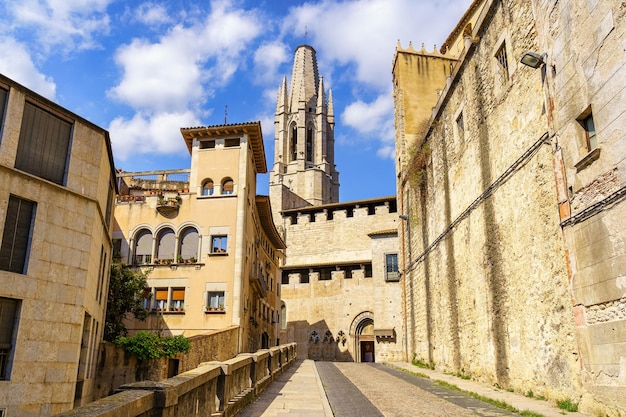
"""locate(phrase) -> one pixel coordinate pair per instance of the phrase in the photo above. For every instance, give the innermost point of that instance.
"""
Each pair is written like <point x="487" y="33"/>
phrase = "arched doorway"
<point x="362" y="329"/>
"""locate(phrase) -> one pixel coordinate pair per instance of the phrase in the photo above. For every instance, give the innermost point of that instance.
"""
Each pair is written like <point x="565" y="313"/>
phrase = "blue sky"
<point x="143" y="69"/>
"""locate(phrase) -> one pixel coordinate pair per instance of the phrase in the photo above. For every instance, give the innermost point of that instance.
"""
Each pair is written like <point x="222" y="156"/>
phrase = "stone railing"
<point x="217" y="389"/>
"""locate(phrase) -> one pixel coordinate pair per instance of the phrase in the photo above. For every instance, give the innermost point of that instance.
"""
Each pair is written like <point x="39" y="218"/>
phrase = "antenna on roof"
<point x="225" y="113"/>
<point x="306" y="33"/>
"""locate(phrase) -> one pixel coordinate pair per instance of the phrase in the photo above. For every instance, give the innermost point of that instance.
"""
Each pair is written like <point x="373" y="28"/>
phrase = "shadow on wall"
<point x="319" y="342"/>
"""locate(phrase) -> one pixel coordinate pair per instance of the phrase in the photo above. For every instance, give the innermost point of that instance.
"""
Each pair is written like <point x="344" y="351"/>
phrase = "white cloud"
<point x="160" y="76"/>
<point x="17" y="64"/>
<point x="151" y="14"/>
<point x="69" y="24"/>
<point x="363" y="32"/>
<point x="181" y="70"/>
<point x="268" y="58"/>
<point x="150" y="134"/>
<point x="368" y="117"/>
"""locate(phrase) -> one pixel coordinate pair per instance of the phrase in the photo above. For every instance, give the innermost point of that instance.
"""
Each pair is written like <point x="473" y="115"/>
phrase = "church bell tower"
<point x="304" y="172"/>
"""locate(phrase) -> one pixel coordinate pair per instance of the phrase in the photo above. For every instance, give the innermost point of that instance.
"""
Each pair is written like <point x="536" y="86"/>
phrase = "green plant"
<point x="421" y="364"/>
<point x="419" y="155"/>
<point x="146" y="345"/>
<point x="567" y="405"/>
<point x="530" y="394"/>
<point x="127" y="292"/>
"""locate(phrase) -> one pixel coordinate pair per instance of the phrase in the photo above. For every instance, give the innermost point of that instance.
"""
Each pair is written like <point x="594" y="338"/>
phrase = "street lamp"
<point x="533" y="59"/>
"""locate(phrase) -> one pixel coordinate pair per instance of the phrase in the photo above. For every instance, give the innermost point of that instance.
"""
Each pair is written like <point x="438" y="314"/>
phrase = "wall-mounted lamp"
<point x="404" y="217"/>
<point x="533" y="59"/>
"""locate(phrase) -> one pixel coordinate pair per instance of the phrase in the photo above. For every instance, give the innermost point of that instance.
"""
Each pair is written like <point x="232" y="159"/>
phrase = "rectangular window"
<point x="207" y="144"/>
<point x="215" y="300"/>
<point x="8" y="326"/>
<point x="503" y="64"/>
<point x="391" y="267"/>
<point x="230" y="143"/>
<point x="3" y="102"/>
<point x="44" y="144"/>
<point x="219" y="244"/>
<point x="590" y="132"/>
<point x="160" y="297"/>
<point x="17" y="235"/>
<point x="460" y="127"/>
<point x="178" y="299"/>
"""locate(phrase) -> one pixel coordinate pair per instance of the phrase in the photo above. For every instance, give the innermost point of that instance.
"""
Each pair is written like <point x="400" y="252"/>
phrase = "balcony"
<point x="167" y="206"/>
<point x="259" y="283"/>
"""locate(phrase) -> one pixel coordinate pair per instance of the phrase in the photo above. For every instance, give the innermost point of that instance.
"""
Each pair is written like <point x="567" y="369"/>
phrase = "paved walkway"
<point x="346" y="389"/>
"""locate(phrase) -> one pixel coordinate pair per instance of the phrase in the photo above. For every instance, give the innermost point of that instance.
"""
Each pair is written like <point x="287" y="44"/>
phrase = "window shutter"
<point x="178" y="295"/>
<point x="189" y="244"/>
<point x="228" y="186"/>
<point x="144" y="244"/>
<point x="161" y="294"/>
<point x="16" y="235"/>
<point x="44" y="143"/>
<point x="167" y="241"/>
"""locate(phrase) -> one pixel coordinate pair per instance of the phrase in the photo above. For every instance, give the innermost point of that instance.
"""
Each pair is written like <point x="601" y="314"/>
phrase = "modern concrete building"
<point x="206" y="238"/>
<point x="341" y="289"/>
<point x="57" y="185"/>
<point x="511" y="178"/>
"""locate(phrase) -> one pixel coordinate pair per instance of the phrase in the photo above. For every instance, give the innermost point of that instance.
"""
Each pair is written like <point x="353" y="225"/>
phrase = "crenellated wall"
<point x="334" y="281"/>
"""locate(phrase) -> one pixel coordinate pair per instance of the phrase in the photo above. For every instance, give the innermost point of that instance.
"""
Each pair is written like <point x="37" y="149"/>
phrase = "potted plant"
<point x="192" y="260"/>
<point x="180" y="259"/>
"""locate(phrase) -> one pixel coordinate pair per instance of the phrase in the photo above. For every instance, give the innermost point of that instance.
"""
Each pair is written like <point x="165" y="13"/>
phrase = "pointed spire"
<point x="304" y="78"/>
<point x="331" y="110"/>
<point x="281" y="103"/>
<point x="321" y="97"/>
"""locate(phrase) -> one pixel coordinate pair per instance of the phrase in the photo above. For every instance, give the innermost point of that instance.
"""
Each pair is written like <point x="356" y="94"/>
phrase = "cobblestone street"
<point x="346" y="389"/>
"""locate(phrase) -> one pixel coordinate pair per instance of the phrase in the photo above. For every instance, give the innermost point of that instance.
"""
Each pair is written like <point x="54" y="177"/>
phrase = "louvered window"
<point x="44" y="144"/>
<point x="3" y="102"/>
<point x="17" y="235"/>
<point x="8" y="314"/>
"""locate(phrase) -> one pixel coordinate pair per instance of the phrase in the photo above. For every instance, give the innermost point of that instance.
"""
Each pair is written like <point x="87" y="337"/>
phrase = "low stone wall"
<point x="217" y="389"/>
<point x="116" y="367"/>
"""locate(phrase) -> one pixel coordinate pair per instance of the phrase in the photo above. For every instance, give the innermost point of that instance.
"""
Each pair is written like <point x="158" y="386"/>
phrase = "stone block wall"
<point x="211" y="389"/>
<point x="116" y="367"/>
<point x="323" y="313"/>
<point x="487" y="284"/>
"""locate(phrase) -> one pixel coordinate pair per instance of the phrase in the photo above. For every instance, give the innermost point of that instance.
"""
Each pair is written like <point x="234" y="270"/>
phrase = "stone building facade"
<point x="206" y="238"/>
<point x="511" y="182"/>
<point x="57" y="184"/>
<point x="341" y="289"/>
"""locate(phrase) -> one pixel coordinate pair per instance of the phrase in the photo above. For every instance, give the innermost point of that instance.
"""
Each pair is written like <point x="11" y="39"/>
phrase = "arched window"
<point x="166" y="245"/>
<point x="293" y="149"/>
<point x="188" y="244"/>
<point x="207" y="187"/>
<point x="143" y="248"/>
<point x="228" y="186"/>
<point x="309" y="144"/>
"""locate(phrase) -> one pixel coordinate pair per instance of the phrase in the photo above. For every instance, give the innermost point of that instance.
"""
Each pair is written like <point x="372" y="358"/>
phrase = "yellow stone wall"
<point x="61" y="284"/>
<point x="235" y="215"/>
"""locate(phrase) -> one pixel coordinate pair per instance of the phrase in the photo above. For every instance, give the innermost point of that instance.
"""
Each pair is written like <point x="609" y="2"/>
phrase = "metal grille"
<point x="503" y="64"/>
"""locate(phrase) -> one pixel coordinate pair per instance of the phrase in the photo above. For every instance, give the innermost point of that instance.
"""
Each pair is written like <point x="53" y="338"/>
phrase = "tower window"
<point x="293" y="151"/>
<point x="228" y="186"/>
<point x="207" y="187"/>
<point x="309" y="144"/>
